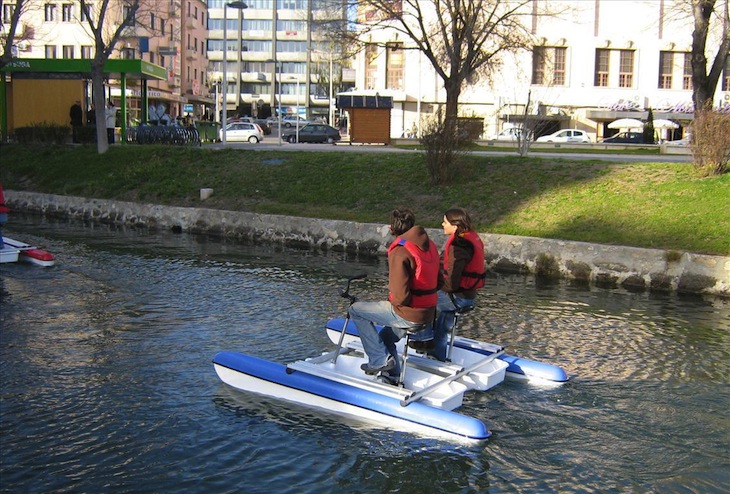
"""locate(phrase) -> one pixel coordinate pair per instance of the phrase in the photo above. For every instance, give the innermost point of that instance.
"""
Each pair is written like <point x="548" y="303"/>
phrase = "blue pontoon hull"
<point x="268" y="378"/>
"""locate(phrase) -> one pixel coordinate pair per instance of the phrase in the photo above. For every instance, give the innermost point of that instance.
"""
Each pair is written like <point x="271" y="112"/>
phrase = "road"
<point x="271" y="142"/>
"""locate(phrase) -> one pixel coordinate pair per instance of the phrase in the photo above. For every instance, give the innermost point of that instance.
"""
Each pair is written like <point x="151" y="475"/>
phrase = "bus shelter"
<point x="43" y="90"/>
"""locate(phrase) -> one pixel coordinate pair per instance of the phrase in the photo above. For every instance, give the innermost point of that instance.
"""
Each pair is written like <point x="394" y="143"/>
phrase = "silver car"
<point x="242" y="132"/>
<point x="566" y="135"/>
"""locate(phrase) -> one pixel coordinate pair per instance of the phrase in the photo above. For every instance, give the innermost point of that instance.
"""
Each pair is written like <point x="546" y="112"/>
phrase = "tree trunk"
<point x="702" y="10"/>
<point x="99" y="99"/>
<point x="453" y="91"/>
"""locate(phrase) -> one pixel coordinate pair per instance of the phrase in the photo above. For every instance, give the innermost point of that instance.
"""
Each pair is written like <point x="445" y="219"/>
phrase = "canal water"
<point x="107" y="383"/>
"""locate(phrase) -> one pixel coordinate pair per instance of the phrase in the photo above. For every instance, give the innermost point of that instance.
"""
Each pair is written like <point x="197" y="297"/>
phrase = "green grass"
<point x="636" y="204"/>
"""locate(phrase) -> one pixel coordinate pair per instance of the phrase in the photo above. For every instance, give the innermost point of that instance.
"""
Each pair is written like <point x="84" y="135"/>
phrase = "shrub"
<point x="87" y="134"/>
<point x="711" y="142"/>
<point x="43" y="133"/>
<point x="445" y="148"/>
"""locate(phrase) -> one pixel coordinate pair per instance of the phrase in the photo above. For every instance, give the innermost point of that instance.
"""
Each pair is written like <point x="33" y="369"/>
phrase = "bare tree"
<point x="462" y="39"/>
<point x="107" y="20"/>
<point x="704" y="83"/>
<point x="14" y="32"/>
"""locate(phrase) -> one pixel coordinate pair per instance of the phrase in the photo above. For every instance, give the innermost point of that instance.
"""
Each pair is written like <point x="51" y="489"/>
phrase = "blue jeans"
<point x="444" y="323"/>
<point x="378" y="345"/>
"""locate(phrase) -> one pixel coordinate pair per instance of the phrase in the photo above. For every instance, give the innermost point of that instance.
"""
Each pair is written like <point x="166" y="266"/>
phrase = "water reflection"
<point x="107" y="380"/>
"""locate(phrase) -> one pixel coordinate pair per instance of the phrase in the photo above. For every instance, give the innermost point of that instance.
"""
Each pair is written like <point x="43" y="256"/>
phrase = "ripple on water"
<point x="108" y="384"/>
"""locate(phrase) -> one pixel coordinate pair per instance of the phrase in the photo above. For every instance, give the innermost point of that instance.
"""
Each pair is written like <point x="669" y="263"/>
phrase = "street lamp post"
<point x="297" y="110"/>
<point x="278" y="103"/>
<point x="276" y="94"/>
<point x="239" y="6"/>
<point x="297" y="119"/>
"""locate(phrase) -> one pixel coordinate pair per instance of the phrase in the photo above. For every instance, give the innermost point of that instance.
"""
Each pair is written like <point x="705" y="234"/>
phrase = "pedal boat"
<point x="15" y="250"/>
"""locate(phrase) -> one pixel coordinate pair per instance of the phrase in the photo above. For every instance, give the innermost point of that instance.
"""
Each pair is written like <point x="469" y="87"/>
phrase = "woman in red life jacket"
<point x="413" y="271"/>
<point x="463" y="273"/>
<point x="3" y="214"/>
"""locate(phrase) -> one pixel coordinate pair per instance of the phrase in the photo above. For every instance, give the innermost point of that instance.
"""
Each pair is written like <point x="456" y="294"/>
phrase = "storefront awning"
<point x="56" y="68"/>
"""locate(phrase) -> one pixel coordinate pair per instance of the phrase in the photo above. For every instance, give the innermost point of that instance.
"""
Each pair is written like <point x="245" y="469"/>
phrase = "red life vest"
<point x="474" y="273"/>
<point x="424" y="285"/>
<point x="3" y="207"/>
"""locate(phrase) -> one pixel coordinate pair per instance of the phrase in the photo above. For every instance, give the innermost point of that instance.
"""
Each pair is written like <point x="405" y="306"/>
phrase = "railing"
<point x="163" y="134"/>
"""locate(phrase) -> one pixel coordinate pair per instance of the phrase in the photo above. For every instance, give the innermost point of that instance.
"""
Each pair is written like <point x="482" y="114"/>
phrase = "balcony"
<point x="174" y="8"/>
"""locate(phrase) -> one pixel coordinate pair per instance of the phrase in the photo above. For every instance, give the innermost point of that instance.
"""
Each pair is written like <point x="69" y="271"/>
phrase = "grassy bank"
<point x="642" y="205"/>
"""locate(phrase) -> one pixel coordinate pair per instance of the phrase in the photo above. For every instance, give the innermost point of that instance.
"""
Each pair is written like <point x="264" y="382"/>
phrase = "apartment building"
<point x="276" y="58"/>
<point x="596" y="62"/>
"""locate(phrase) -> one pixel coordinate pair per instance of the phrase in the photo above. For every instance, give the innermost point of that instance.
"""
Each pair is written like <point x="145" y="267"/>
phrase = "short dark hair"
<point x="459" y="218"/>
<point x="401" y="220"/>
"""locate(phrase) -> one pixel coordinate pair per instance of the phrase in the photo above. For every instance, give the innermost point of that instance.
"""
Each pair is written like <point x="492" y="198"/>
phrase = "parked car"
<point x="566" y="135"/>
<point x="242" y="132"/>
<point x="313" y="133"/>
<point x="510" y="134"/>
<point x="685" y="141"/>
<point x="625" y="138"/>
<point x="264" y="124"/>
<point x="292" y="120"/>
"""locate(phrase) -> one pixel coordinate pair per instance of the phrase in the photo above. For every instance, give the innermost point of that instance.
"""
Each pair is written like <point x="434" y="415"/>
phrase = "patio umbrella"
<point x="626" y="123"/>
<point x="661" y="123"/>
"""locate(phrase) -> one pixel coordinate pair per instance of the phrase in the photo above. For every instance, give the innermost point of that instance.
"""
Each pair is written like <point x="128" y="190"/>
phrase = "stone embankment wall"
<point x="606" y="265"/>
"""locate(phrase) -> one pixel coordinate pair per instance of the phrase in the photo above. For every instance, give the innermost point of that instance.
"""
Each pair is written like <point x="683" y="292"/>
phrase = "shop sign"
<point x="167" y="50"/>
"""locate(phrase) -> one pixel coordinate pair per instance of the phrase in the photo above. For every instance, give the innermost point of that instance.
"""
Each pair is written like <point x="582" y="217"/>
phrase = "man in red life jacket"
<point x="413" y="271"/>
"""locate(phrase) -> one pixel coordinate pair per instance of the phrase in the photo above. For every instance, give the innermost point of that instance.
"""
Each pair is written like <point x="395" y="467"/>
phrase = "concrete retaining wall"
<point x="607" y="265"/>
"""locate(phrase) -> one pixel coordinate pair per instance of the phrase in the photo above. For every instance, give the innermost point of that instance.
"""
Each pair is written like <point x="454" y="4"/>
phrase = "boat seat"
<point x="404" y="357"/>
<point x="457" y="313"/>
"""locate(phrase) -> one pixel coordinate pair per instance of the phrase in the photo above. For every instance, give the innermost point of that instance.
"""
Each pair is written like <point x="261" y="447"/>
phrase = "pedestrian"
<point x="110" y="114"/>
<point x="413" y="270"/>
<point x="91" y="115"/>
<point x="77" y="120"/>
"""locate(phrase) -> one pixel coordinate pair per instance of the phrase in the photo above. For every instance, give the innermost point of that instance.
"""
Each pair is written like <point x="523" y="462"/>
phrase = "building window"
<point x="68" y="51"/>
<point x="85" y="12"/>
<point x="291" y="4"/>
<point x="50" y="12"/>
<point x="87" y="52"/>
<point x="666" y="63"/>
<point x="626" y="68"/>
<point x="291" y="46"/>
<point x="128" y="53"/>
<point x="687" y="76"/>
<point x="602" y="64"/>
<point x="67" y="12"/>
<point x="549" y="65"/>
<point x="8" y="9"/>
<point x="559" y="67"/>
<point x="152" y="21"/>
<point x="51" y="51"/>
<point x="129" y="16"/>
<point x="394" y="66"/>
<point x="726" y="76"/>
<point x="371" y="66"/>
<point x="251" y="45"/>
